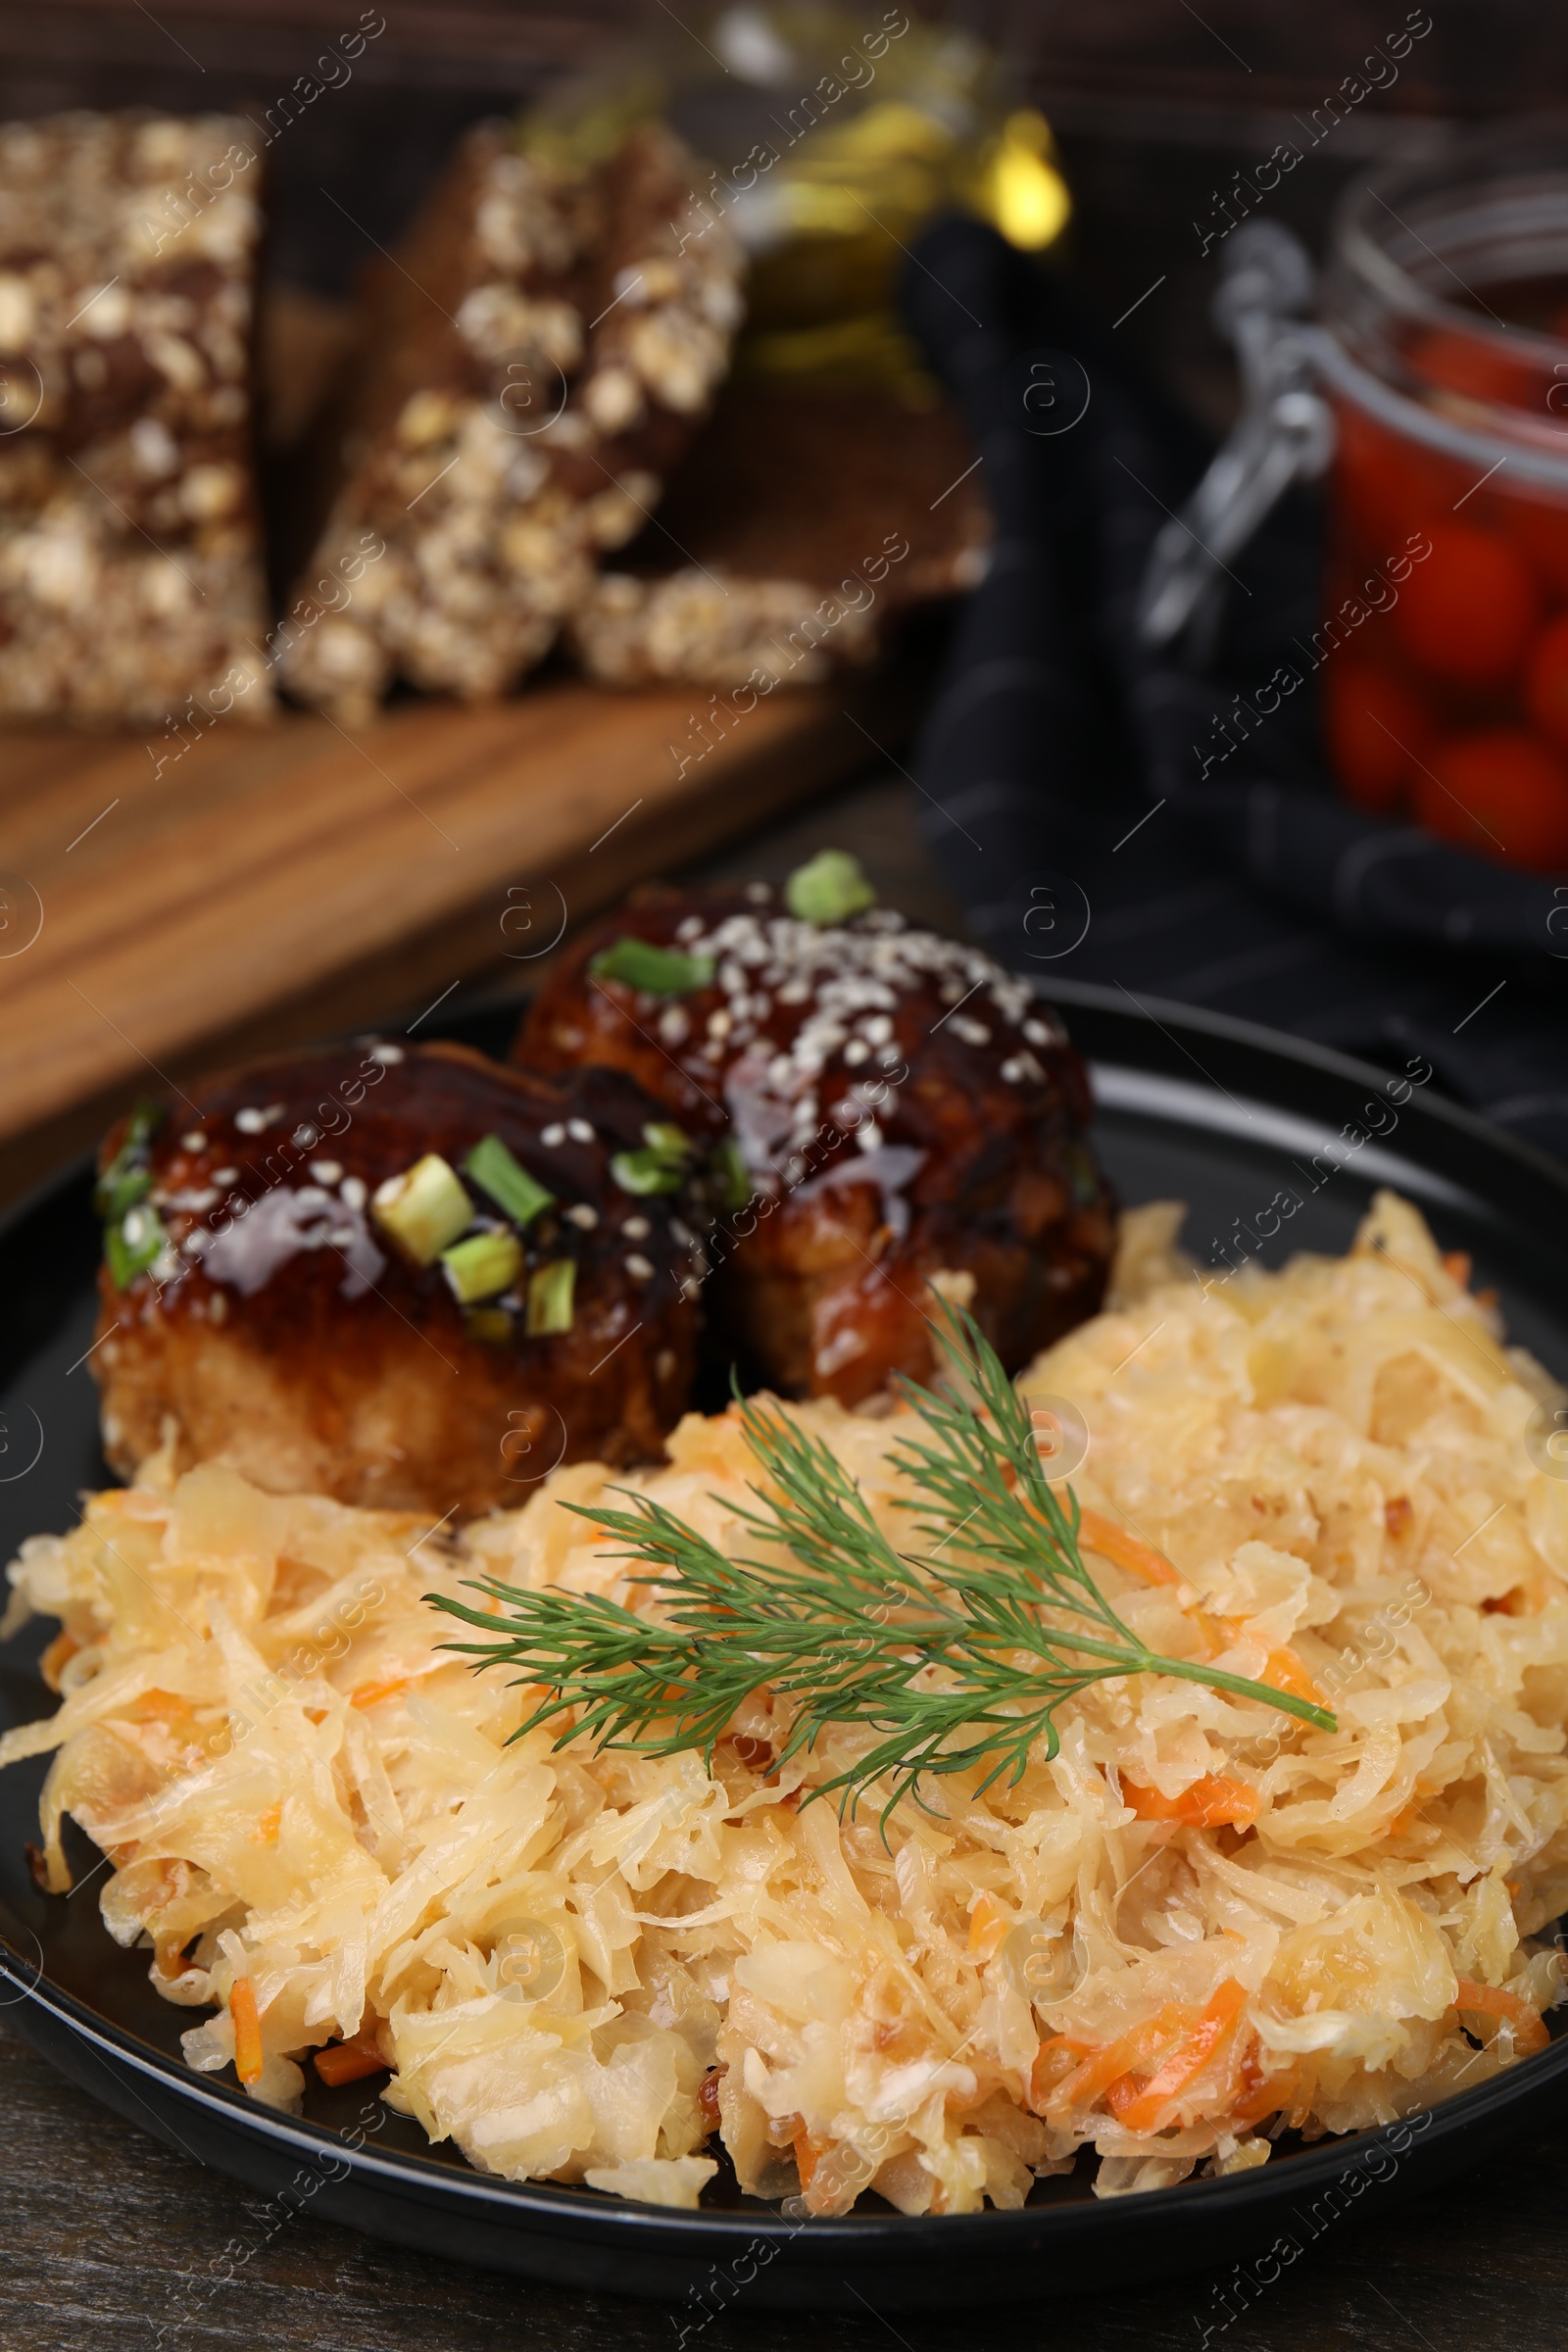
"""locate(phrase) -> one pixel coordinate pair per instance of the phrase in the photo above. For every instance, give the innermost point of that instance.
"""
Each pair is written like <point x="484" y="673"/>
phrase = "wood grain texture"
<point x="272" y="884"/>
<point x="112" y="2238"/>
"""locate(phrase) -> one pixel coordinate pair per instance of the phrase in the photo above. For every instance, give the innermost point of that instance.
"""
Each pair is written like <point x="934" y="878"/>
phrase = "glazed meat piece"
<point x="400" y="1276"/>
<point x="890" y="1112"/>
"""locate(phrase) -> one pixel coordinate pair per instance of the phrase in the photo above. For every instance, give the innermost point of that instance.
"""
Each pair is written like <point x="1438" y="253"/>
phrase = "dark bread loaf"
<point x="801" y="524"/>
<point x="130" y="573"/>
<point x="530" y="370"/>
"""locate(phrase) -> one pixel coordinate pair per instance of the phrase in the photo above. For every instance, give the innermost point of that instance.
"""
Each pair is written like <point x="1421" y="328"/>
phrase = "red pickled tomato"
<point x="1376" y="731"/>
<point x="1547" y="682"/>
<point x="1539" y="527"/>
<point x="1512" y="784"/>
<point x="1467" y="608"/>
<point x="1387" y="486"/>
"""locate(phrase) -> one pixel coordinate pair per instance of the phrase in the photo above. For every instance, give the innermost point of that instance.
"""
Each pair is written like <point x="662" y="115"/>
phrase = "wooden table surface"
<point x="108" y="2238"/>
<point x="167" y="907"/>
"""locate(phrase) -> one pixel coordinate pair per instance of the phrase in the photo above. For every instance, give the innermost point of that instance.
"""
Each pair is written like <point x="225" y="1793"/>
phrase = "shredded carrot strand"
<point x="247" y="2057"/>
<point x="371" y="1694"/>
<point x="346" y="2061"/>
<point x="1128" y="1550"/>
<point x="1205" y="1805"/>
<point x="1187" y="2060"/>
<point x="1144" y="2045"/>
<point x="1272" y="2091"/>
<point x="988" y="1928"/>
<point x="806" y="2153"/>
<point x="1285" y="1672"/>
<point x="1491" y="2000"/>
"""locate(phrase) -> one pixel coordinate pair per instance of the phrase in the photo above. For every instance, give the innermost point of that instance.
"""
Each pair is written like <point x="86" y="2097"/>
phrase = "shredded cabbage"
<point x="1201" y="1923"/>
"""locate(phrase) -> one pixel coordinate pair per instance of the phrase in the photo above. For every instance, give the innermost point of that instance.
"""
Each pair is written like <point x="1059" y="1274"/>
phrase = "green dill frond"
<point x="955" y="1655"/>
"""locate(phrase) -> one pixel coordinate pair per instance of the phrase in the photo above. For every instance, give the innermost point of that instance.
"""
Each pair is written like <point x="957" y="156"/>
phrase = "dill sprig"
<point x="953" y="1657"/>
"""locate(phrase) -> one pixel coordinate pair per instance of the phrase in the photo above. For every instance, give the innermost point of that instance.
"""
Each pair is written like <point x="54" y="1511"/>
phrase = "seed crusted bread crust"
<point x="528" y="378"/>
<point x="130" y="572"/>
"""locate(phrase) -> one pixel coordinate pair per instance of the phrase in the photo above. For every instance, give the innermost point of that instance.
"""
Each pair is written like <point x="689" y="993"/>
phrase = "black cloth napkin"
<point x="1105" y="813"/>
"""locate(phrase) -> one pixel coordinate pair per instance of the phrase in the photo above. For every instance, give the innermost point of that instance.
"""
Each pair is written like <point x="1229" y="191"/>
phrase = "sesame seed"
<point x="194" y="1142"/>
<point x="856" y="1052"/>
<point x="353" y="1192"/>
<point x="973" y="1033"/>
<point x="579" y="1131"/>
<point x="226" y="1176"/>
<point x="639" y="1268"/>
<point x="583" y="1215"/>
<point x="759" y="893"/>
<point x="870" y="1137"/>
<point x="674" y="1025"/>
<point x="553" y="1134"/>
<point x="636" y="1229"/>
<point x="387" y="1056"/>
<point x="327" y="1171"/>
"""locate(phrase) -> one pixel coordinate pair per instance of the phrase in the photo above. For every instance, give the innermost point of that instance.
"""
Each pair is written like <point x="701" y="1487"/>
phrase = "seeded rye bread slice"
<point x="530" y="372"/>
<point x="130" y="573"/>
<point x="799" y="523"/>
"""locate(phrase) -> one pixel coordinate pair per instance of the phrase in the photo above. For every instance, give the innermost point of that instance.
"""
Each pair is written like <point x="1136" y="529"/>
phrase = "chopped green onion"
<point x="731" y="1173"/>
<point x="646" y="1172"/>
<point x="657" y="971"/>
<point x="492" y="1167"/>
<point x="127" y="1177"/>
<point x="667" y="1139"/>
<point x="482" y="1266"/>
<point x="425" y="1208"/>
<point x="121" y="1189"/>
<point x="490" y="1324"/>
<point x="131" y="1245"/>
<point x="828" y="889"/>
<point x="550" y="1291"/>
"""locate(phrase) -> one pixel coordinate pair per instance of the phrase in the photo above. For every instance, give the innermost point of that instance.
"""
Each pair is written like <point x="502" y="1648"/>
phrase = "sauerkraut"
<point x="1202" y="1922"/>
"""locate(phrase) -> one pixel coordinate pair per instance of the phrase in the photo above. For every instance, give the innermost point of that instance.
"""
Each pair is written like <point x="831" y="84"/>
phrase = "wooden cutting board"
<point x="162" y="910"/>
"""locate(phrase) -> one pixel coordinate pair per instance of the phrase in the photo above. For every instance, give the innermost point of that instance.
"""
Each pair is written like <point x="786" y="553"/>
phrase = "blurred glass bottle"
<point x="829" y="140"/>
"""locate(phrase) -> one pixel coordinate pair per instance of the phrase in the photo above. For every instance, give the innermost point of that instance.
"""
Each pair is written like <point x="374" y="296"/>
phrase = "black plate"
<point x="1207" y="1111"/>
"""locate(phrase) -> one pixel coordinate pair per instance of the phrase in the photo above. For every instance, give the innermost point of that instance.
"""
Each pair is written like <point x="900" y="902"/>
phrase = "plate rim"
<point x="579" y="2211"/>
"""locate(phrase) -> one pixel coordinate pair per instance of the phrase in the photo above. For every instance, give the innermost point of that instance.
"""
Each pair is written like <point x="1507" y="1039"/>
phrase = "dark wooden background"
<point x="106" y="2236"/>
<point x="1155" y="104"/>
